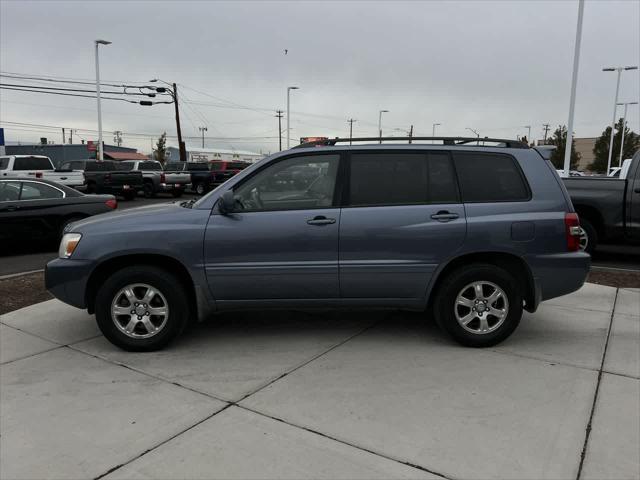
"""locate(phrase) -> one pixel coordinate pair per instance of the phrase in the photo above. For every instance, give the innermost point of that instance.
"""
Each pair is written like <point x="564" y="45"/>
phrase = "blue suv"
<point x="471" y="232"/>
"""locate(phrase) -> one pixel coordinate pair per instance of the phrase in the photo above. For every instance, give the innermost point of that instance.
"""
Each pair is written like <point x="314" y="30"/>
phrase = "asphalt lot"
<point x="326" y="395"/>
<point x="31" y="258"/>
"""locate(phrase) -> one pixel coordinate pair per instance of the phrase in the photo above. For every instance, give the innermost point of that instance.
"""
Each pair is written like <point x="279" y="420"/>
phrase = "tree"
<point x="559" y="139"/>
<point x="601" y="147"/>
<point x="160" y="152"/>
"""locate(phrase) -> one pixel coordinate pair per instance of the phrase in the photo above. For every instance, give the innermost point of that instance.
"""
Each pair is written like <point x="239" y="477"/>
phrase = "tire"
<point x="147" y="190"/>
<point x="91" y="187"/>
<point x="462" y="282"/>
<point x="176" y="193"/>
<point x="199" y="189"/>
<point x="589" y="238"/>
<point x="141" y="338"/>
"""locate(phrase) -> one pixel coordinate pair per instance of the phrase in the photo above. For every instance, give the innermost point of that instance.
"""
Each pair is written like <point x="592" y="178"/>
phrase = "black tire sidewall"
<point x="166" y="283"/>
<point x="199" y="189"/>
<point x="455" y="282"/>
<point x="592" y="235"/>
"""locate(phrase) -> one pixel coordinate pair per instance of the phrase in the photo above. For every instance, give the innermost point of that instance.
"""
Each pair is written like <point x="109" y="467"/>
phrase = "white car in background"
<point x="620" y="172"/>
<point x="38" y="166"/>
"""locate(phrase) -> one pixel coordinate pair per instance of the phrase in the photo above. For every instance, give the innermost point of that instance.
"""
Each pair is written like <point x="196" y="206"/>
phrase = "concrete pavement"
<point x="326" y="395"/>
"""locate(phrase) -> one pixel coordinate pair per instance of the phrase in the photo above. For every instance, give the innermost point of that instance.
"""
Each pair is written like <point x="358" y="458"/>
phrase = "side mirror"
<point x="227" y="202"/>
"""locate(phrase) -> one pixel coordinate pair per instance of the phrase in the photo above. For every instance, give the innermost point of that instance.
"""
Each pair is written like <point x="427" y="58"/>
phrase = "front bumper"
<point x="67" y="280"/>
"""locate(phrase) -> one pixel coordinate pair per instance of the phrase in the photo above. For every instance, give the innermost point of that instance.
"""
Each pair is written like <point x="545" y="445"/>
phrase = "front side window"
<point x="38" y="191"/>
<point x="490" y="177"/>
<point x="9" y="191"/>
<point x="297" y="183"/>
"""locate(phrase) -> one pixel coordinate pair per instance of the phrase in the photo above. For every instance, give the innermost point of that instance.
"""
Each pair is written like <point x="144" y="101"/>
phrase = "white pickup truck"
<point x="38" y="166"/>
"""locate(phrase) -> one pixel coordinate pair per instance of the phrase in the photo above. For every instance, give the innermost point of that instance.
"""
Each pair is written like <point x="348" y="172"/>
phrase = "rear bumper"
<point x="559" y="274"/>
<point x="67" y="280"/>
<point x="170" y="187"/>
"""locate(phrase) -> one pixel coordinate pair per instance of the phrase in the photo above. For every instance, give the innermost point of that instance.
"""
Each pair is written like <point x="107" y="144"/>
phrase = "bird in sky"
<point x="285" y="51"/>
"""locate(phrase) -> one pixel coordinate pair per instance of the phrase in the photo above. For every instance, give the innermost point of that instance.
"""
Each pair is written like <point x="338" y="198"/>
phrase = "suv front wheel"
<point x="479" y="305"/>
<point x="141" y="308"/>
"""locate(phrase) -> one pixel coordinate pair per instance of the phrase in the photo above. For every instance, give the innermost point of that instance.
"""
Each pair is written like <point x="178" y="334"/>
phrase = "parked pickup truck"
<point x="202" y="179"/>
<point x="609" y="208"/>
<point x="38" y="166"/>
<point x="225" y="170"/>
<point x="107" y="177"/>
<point x="156" y="180"/>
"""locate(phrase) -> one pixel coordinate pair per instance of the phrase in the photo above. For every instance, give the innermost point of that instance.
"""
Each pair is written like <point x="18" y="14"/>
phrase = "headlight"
<point x="68" y="244"/>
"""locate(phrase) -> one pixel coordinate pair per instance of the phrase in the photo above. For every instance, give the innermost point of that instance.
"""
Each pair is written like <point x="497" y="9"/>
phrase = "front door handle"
<point x="444" y="216"/>
<point x="321" y="220"/>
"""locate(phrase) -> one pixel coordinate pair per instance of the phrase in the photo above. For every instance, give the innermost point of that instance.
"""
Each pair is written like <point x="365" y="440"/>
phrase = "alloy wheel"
<point x="481" y="307"/>
<point x="139" y="310"/>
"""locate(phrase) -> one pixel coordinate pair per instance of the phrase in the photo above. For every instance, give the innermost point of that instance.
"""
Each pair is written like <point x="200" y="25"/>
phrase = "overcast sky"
<point x="491" y="66"/>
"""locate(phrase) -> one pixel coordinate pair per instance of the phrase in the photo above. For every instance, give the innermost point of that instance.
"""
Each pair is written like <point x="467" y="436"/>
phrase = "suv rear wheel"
<point x="588" y="236"/>
<point x="141" y="308"/>
<point x="479" y="305"/>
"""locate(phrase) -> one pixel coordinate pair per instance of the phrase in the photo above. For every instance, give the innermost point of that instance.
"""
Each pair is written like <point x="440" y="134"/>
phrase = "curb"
<point x="12" y="275"/>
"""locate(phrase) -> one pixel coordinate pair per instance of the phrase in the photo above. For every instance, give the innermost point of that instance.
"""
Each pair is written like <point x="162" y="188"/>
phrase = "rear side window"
<point x="32" y="163"/>
<point x="397" y="178"/>
<point x="490" y="177"/>
<point x="39" y="191"/>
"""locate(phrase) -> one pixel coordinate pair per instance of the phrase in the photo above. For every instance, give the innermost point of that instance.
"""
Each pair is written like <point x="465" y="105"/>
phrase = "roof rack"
<point x="460" y="141"/>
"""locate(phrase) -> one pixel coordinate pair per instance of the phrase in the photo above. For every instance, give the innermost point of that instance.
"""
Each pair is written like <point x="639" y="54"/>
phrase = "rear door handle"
<point x="321" y="220"/>
<point x="444" y="216"/>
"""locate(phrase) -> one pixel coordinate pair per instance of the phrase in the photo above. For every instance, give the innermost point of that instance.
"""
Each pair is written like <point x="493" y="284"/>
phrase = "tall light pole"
<point x="528" y="134"/>
<point x="380" y="123"/>
<point x="574" y="83"/>
<point x="624" y="127"/>
<point x="289" y="115"/>
<point x="433" y="129"/>
<point x="615" y="104"/>
<point x="350" y="122"/>
<point x="202" y="129"/>
<point x="100" y="152"/>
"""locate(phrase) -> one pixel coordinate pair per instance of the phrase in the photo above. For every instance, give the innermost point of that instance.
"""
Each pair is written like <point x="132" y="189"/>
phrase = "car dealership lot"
<point x="349" y="394"/>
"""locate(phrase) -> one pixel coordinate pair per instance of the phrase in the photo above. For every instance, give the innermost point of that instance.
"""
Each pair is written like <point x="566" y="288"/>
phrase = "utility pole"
<point x="279" y="117"/>
<point x="202" y="129"/>
<point x="350" y="122"/>
<point x="63" y="138"/>
<point x="183" y="150"/>
<point x="71" y="136"/>
<point x="574" y="83"/>
<point x="546" y="130"/>
<point x="410" y="133"/>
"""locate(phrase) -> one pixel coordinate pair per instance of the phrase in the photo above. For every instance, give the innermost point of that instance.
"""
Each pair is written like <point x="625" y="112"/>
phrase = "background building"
<point x="584" y="146"/>
<point x="64" y="152"/>
<point x="210" y="154"/>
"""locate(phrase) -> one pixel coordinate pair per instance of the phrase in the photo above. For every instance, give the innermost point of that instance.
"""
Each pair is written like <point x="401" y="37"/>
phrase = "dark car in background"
<point x="39" y="210"/>
<point x="107" y="176"/>
<point x="202" y="179"/>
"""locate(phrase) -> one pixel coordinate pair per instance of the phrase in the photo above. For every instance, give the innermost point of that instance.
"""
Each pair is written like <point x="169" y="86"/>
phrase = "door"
<point x="633" y="199"/>
<point x="281" y="240"/>
<point x="11" y="228"/>
<point x="40" y="209"/>
<point x="402" y="218"/>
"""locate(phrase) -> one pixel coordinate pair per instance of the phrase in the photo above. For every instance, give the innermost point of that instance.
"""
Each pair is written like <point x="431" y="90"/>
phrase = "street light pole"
<point x="615" y="104"/>
<point x="433" y="130"/>
<point x="574" y="83"/>
<point x="350" y="122"/>
<point x="476" y="133"/>
<point x="380" y="123"/>
<point x="528" y="127"/>
<point x="289" y="115"/>
<point x="202" y="129"/>
<point x="624" y="127"/>
<point x="100" y="152"/>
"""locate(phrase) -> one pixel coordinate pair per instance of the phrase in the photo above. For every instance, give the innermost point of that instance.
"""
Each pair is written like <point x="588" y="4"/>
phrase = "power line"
<point x="76" y="89"/>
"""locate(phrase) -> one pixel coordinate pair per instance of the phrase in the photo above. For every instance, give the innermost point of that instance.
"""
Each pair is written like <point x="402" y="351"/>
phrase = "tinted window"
<point x="38" y="191"/>
<point x="487" y="177"/>
<point x="173" y="166"/>
<point x="194" y="166"/>
<point x="9" y="191"/>
<point x="126" y="166"/>
<point x="149" y="166"/>
<point x="388" y="179"/>
<point x="104" y="166"/>
<point x="297" y="183"/>
<point x="4" y="163"/>
<point x="442" y="179"/>
<point x="32" y="163"/>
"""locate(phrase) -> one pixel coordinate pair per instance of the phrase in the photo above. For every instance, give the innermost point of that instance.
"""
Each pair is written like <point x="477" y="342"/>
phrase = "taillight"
<point x="38" y="174"/>
<point x="112" y="203"/>
<point x="573" y="231"/>
<point x="162" y="178"/>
